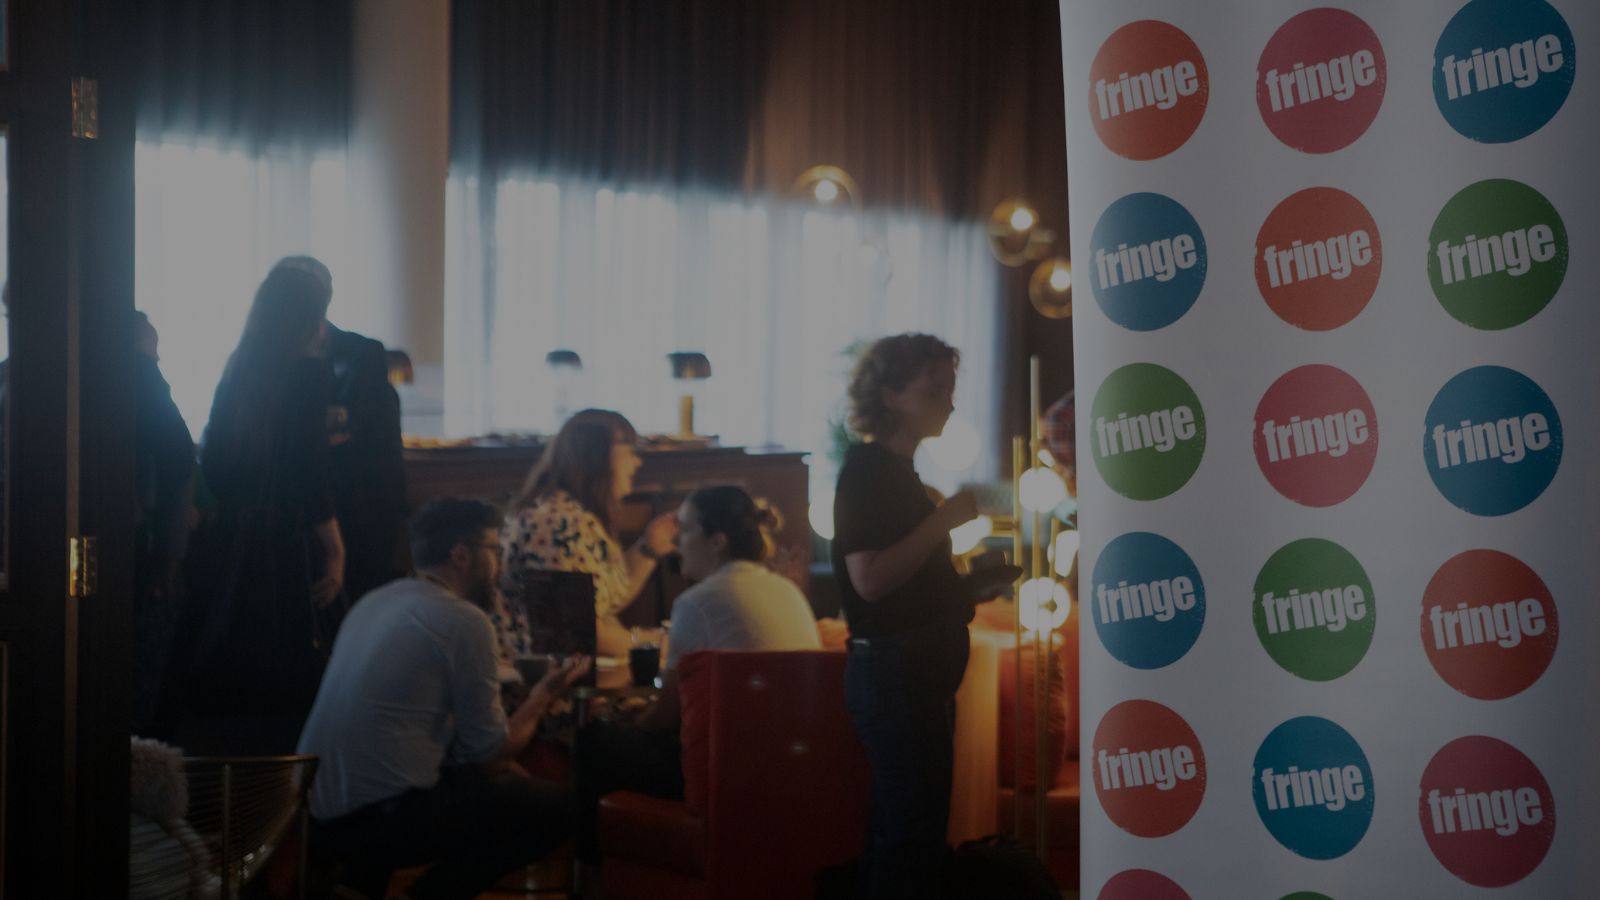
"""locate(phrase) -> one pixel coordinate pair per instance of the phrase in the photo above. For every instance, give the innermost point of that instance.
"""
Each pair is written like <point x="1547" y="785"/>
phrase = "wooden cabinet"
<point x="665" y="479"/>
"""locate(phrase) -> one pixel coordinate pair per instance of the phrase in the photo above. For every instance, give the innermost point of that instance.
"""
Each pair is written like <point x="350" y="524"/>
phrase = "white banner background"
<point x="1230" y="347"/>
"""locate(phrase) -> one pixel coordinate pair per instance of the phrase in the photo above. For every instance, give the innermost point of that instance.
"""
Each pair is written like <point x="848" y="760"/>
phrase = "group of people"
<point x="247" y="552"/>
<point x="401" y="693"/>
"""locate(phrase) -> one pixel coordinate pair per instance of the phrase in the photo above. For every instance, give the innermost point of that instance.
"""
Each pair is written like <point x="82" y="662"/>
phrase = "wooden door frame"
<point x="71" y="275"/>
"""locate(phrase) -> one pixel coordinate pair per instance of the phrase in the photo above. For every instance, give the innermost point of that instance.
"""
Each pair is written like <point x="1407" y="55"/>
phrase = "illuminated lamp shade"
<point x="966" y="537"/>
<point x="1043" y="604"/>
<point x="828" y="186"/>
<point x="1015" y="236"/>
<point x="1041" y="490"/>
<point x="1066" y="550"/>
<point x="563" y="359"/>
<point x="688" y="368"/>
<point x="956" y="448"/>
<point x="400" y="369"/>
<point x="566" y="369"/>
<point x="1050" y="288"/>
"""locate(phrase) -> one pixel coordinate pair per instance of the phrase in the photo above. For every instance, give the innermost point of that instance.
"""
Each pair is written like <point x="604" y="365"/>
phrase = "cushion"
<point x="652" y="830"/>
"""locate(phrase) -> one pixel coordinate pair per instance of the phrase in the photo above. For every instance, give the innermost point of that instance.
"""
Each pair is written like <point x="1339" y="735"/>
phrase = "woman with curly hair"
<point x="906" y="606"/>
<point x="563" y="521"/>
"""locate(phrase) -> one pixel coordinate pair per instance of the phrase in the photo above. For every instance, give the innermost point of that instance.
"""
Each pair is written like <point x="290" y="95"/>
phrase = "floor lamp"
<point x="1042" y="602"/>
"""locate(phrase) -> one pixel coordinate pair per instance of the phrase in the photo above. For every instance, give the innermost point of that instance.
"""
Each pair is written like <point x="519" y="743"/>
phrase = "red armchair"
<point x="776" y="786"/>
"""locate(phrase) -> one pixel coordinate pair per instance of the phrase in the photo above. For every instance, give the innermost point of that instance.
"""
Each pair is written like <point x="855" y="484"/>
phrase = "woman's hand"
<point x="660" y="535"/>
<point x="326" y="589"/>
<point x="958" y="508"/>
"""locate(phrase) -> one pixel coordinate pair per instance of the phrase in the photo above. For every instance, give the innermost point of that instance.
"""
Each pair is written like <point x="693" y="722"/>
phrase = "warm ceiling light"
<point x="1050" y="288"/>
<point x="827" y="185"/>
<point x="1015" y="236"/>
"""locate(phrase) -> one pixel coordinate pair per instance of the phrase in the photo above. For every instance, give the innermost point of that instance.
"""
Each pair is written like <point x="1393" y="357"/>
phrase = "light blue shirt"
<point x="411" y="687"/>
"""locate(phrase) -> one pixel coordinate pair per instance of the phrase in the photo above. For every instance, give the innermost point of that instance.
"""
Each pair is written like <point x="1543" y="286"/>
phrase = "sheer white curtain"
<point x="774" y="294"/>
<point x="209" y="225"/>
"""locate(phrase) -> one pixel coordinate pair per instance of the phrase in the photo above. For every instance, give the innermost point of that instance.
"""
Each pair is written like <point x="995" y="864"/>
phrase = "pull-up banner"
<point x="1338" y="302"/>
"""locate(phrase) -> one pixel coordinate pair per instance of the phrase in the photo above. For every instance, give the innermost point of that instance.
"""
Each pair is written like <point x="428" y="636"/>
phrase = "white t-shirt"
<point x="741" y="606"/>
<point x="411" y="686"/>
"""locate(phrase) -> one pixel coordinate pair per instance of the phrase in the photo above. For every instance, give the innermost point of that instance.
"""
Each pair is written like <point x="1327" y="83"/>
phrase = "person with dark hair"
<point x="736" y="603"/>
<point x="416" y="752"/>
<point x="563" y="520"/>
<point x="366" y="462"/>
<point x="267" y="572"/>
<point x="906" y="607"/>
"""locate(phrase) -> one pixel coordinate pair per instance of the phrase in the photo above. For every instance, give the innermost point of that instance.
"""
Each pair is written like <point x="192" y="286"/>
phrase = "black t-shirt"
<point x="880" y="500"/>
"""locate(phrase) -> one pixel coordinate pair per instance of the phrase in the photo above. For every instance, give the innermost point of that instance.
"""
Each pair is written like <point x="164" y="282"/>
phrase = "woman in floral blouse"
<point x="563" y="518"/>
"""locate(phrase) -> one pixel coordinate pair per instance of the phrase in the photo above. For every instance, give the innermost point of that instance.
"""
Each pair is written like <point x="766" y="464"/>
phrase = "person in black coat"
<point x="267" y="573"/>
<point x="366" y="467"/>
<point x="164" y="470"/>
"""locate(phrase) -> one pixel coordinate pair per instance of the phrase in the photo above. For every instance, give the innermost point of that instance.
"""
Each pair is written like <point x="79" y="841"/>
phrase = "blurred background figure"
<point x="164" y="478"/>
<point x="365" y="458"/>
<point x="565" y="518"/>
<point x="267" y="574"/>
<point x="1060" y="428"/>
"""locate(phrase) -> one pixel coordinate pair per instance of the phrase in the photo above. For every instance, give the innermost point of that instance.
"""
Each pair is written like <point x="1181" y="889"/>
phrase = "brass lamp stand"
<point x="1042" y="606"/>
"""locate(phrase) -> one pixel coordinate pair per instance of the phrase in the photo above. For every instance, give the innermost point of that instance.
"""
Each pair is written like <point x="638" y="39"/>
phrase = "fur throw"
<point x="158" y="789"/>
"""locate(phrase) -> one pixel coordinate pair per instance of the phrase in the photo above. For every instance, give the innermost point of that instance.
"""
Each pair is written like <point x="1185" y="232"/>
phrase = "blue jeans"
<point x="901" y="694"/>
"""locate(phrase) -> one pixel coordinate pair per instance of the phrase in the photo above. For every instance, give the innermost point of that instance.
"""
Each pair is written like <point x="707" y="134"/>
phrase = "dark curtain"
<point x="902" y="94"/>
<point x="248" y="74"/>
<point x="618" y="90"/>
<point x="942" y="106"/>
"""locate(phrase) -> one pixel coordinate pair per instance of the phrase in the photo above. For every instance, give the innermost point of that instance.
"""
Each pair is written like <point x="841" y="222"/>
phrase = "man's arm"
<point x="525" y="719"/>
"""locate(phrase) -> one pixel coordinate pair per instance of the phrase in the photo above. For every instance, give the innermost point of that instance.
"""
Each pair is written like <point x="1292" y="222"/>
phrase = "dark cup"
<point x="644" y="662"/>
<point x="532" y="668"/>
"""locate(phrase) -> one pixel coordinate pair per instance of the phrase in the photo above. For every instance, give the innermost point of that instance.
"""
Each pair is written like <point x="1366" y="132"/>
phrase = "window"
<point x="209" y="224"/>
<point x="775" y="295"/>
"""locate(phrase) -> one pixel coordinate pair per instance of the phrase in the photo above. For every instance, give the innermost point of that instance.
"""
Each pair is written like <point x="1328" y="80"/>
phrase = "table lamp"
<point x="565" y="366"/>
<point x="688" y="367"/>
<point x="400" y="368"/>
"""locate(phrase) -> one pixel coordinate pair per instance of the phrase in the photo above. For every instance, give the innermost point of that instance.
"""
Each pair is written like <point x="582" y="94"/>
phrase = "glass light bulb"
<point x="964" y="538"/>
<point x="956" y="447"/>
<point x="1041" y="490"/>
<point x="1043" y="604"/>
<point x="1066" y="550"/>
<point x="825" y="192"/>
<point x="1022" y="218"/>
<point x="1060" y="278"/>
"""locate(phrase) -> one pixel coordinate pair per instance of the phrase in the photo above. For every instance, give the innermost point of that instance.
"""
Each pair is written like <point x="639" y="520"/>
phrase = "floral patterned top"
<point x="559" y="534"/>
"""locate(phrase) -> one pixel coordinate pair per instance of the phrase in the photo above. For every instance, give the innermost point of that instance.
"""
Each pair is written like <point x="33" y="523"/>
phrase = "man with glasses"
<point x="416" y="751"/>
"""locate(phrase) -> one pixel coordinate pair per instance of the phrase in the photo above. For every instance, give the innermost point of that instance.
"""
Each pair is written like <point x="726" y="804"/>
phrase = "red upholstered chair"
<point x="776" y="786"/>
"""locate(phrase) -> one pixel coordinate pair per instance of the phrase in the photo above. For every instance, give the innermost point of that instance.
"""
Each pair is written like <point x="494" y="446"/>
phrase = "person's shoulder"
<point x="863" y="460"/>
<point x="779" y="585"/>
<point x="349" y="343"/>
